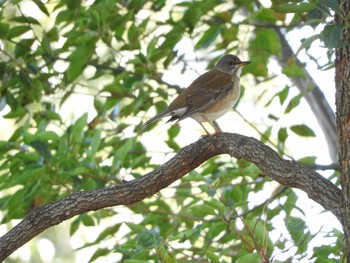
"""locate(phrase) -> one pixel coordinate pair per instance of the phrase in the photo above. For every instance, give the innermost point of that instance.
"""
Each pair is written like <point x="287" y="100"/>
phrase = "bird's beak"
<point x="243" y="63"/>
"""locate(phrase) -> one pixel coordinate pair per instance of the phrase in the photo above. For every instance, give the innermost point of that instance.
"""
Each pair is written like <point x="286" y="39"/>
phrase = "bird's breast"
<point x="220" y="107"/>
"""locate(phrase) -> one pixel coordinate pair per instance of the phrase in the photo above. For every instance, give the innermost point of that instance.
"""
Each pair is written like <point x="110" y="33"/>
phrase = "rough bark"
<point x="342" y="81"/>
<point x="288" y="173"/>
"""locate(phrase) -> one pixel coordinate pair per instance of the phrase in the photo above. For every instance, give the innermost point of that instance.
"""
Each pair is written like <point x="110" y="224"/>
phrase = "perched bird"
<point x="210" y="96"/>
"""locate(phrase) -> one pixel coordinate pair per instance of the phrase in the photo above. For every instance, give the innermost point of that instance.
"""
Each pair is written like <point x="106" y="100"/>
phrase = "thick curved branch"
<point x="287" y="173"/>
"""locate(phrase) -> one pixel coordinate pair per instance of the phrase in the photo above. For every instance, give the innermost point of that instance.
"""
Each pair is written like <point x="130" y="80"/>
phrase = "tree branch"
<point x="288" y="173"/>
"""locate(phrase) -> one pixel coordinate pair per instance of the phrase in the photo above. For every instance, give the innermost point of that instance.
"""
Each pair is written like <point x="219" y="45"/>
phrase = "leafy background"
<point x="78" y="79"/>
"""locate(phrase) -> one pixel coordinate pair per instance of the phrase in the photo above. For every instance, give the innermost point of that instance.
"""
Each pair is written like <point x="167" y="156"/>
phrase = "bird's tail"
<point x="158" y="116"/>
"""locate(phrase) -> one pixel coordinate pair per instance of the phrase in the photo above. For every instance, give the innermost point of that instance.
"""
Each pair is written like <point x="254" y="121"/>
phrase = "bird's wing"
<point x="202" y="93"/>
<point x="208" y="89"/>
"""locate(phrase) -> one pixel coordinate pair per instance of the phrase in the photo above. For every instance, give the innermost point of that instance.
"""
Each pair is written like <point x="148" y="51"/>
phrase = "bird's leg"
<point x="206" y="131"/>
<point x="216" y="128"/>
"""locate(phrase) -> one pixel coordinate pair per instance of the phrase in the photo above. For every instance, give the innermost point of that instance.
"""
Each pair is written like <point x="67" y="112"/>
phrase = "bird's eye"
<point x="231" y="63"/>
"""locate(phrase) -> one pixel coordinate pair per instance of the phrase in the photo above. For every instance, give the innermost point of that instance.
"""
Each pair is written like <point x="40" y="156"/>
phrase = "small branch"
<point x="172" y="86"/>
<point x="262" y="205"/>
<point x="288" y="173"/>
<point x="323" y="167"/>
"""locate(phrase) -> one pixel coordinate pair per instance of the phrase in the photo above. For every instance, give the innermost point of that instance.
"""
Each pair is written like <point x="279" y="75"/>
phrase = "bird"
<point x="209" y="96"/>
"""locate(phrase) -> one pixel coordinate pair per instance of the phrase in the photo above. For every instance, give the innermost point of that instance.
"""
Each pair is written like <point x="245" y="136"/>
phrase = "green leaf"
<point x="134" y="33"/>
<point x="249" y="258"/>
<point x="25" y="20"/>
<point x="260" y="65"/>
<point x="135" y="5"/>
<point x="267" y="14"/>
<point x="266" y="135"/>
<point x="88" y="184"/>
<point x="33" y="157"/>
<point x="121" y="22"/>
<point x="122" y="152"/>
<point x="293" y="71"/>
<point x="4" y="30"/>
<point x="282" y="135"/>
<point x="135" y="261"/>
<point x="202" y="210"/>
<point x="135" y="227"/>
<point x="109" y="231"/>
<point x="314" y="18"/>
<point x="42" y="7"/>
<point x="266" y="40"/>
<point x="192" y="16"/>
<point x="294" y="8"/>
<point x="212" y="256"/>
<point x="321" y="253"/>
<point x="95" y="143"/>
<point x="228" y="35"/>
<point x="164" y="255"/>
<point x="172" y="38"/>
<point x="296" y="228"/>
<point x="331" y="36"/>
<point x="87" y="220"/>
<point x="74" y="226"/>
<point x="196" y="11"/>
<point x="308" y="160"/>
<point x="303" y="130"/>
<point x="99" y="253"/>
<point x="6" y="146"/>
<point x="78" y="60"/>
<point x="46" y="136"/>
<point x="283" y="94"/>
<point x="289" y="205"/>
<point x="216" y="204"/>
<point x="332" y="4"/>
<point x="326" y="6"/>
<point x="306" y="43"/>
<point x="261" y="233"/>
<point x="76" y="171"/>
<point x="42" y="148"/>
<point x="186" y="234"/>
<point x="53" y="116"/>
<point x="215" y="229"/>
<point x="173" y="145"/>
<point x="78" y="129"/>
<point x="158" y="4"/>
<point x="23" y="47"/>
<point x="173" y="131"/>
<point x="17" y="31"/>
<point x="294" y="102"/>
<point x="208" y="37"/>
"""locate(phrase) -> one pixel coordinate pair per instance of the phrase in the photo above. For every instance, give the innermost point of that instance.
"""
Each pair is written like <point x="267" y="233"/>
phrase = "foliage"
<point x="116" y="53"/>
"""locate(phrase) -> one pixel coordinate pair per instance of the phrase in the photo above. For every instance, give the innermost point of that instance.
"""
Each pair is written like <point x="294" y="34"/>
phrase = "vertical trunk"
<point x="342" y="81"/>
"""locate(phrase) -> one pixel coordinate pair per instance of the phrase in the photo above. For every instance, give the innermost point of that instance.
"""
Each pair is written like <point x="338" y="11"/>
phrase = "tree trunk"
<point x="342" y="81"/>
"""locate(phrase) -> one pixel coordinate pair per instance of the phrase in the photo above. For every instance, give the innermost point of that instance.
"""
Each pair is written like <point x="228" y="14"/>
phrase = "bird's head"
<point x="231" y="64"/>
